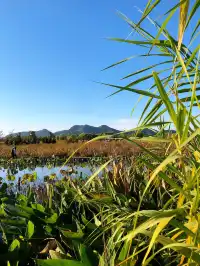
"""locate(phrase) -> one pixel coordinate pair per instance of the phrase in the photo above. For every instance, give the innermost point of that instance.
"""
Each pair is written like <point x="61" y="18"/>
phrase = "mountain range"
<point x="78" y="129"/>
<point x="87" y="129"/>
<point x="74" y="130"/>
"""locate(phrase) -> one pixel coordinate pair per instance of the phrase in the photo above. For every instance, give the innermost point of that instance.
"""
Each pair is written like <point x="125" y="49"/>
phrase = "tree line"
<point x="16" y="139"/>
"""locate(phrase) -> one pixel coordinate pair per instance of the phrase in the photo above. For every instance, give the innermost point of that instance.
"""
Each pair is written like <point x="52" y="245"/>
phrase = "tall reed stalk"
<point x="173" y="96"/>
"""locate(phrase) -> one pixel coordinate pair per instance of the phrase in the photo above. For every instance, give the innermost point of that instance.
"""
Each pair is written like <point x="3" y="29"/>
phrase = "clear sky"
<point x="50" y="54"/>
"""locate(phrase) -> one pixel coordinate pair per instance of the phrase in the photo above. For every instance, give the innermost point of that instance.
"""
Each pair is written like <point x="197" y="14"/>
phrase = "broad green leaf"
<point x="14" y="245"/>
<point x="52" y="219"/>
<point x="87" y="256"/>
<point x="29" y="230"/>
<point x="38" y="207"/>
<point x="73" y="235"/>
<point x="18" y="210"/>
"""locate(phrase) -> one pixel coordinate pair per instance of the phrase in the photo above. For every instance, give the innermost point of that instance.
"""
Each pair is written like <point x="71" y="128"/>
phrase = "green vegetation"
<point x="143" y="212"/>
<point x="17" y="139"/>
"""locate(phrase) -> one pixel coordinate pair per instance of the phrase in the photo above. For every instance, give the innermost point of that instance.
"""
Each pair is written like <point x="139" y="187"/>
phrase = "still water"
<point x="74" y="171"/>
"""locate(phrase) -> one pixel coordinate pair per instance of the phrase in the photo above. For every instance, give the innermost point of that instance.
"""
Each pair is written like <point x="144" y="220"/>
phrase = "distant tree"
<point x="58" y="137"/>
<point x="72" y="138"/>
<point x="32" y="137"/>
<point x="18" y="139"/>
<point x="82" y="136"/>
<point x="63" y="137"/>
<point x="122" y="135"/>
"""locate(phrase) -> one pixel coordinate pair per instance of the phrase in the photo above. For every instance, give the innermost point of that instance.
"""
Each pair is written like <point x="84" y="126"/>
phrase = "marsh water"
<point x="46" y="168"/>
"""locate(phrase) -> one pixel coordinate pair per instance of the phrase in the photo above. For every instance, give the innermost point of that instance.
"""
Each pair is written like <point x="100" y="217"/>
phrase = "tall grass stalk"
<point x="174" y="227"/>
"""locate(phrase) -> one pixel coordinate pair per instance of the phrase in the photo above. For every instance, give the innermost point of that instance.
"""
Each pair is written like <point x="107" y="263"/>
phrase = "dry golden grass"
<point x="62" y="148"/>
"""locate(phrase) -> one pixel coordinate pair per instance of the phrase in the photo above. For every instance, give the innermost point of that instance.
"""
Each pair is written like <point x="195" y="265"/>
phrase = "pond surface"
<point x="42" y="171"/>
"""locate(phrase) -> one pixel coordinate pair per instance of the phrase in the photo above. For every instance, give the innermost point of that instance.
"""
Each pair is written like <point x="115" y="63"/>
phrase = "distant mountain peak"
<point x="87" y="129"/>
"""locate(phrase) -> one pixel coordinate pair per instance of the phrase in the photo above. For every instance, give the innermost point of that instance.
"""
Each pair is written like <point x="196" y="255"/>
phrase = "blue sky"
<point x="50" y="54"/>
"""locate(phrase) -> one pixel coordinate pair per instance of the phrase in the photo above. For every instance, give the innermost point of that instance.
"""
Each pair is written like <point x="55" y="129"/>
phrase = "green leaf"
<point x="13" y="222"/>
<point x="147" y="68"/>
<point x="57" y="255"/>
<point x="30" y="230"/>
<point x="160" y="43"/>
<point x="160" y="217"/>
<point x="182" y="248"/>
<point x="88" y="258"/>
<point x="10" y="177"/>
<point x="73" y="235"/>
<point x="14" y="245"/>
<point x="18" y="210"/>
<point x="162" y="224"/>
<point x="165" y="98"/>
<point x="162" y="28"/>
<point x="52" y="219"/>
<point x="96" y="173"/>
<point x="135" y="56"/>
<point x="194" y="31"/>
<point x="119" y="62"/>
<point x="141" y="92"/>
<point x="188" y="90"/>
<point x="59" y="262"/>
<point x="125" y="250"/>
<point x="175" y="7"/>
<point x="193" y="11"/>
<point x="148" y="10"/>
<point x="38" y="207"/>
